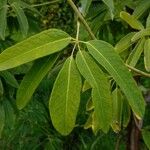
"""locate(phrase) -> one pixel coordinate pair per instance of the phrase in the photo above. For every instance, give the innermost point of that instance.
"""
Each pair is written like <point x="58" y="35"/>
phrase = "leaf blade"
<point x="147" y="54"/>
<point x="65" y="98"/>
<point x="100" y="92"/>
<point x="105" y="54"/>
<point x="32" y="79"/>
<point x="37" y="46"/>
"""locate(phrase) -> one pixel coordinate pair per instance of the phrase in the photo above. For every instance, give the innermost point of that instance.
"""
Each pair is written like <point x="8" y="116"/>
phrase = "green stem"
<point x="46" y="3"/>
<point x="81" y="19"/>
<point x="138" y="71"/>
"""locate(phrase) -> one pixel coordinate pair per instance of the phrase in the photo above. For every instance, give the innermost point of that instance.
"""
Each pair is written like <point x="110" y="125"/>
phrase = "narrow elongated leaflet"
<point x="65" y="97"/>
<point x="147" y="54"/>
<point x="110" y="5"/>
<point x="2" y="119"/>
<point x="148" y="21"/>
<point x="3" y="18"/>
<point x="105" y="54"/>
<point x="124" y="43"/>
<point x="131" y="20"/>
<point x="85" y="4"/>
<point x="141" y="34"/>
<point x="9" y="78"/>
<point x="32" y="79"/>
<point x="1" y="88"/>
<point x="146" y="137"/>
<point x="22" y="19"/>
<point x="136" y="53"/>
<point x="37" y="46"/>
<point x="100" y="89"/>
<point x="141" y="8"/>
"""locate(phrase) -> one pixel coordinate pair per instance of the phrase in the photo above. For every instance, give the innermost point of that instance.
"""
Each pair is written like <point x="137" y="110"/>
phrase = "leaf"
<point x="105" y="54"/>
<point x="131" y="20"/>
<point x="2" y="119"/>
<point x="65" y="98"/>
<point x="141" y="34"/>
<point x="146" y="137"/>
<point x="88" y="123"/>
<point x="32" y="79"/>
<point x="86" y="86"/>
<point x="100" y="92"/>
<point x="3" y="18"/>
<point x="147" y="54"/>
<point x="37" y="46"/>
<point x="9" y="78"/>
<point x="110" y="5"/>
<point x="148" y="21"/>
<point x="10" y="116"/>
<point x="141" y="8"/>
<point x="136" y="53"/>
<point x="126" y="113"/>
<point x="1" y="88"/>
<point x="124" y="43"/>
<point x="22" y="19"/>
<point x="89" y="104"/>
<point x="117" y="110"/>
<point x="85" y="4"/>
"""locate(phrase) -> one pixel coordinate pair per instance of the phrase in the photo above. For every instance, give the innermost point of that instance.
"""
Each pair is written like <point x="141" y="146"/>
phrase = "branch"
<point x="81" y="19"/>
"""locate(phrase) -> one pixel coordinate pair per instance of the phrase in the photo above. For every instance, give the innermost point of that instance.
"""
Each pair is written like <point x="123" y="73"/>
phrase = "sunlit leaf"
<point x="131" y="20"/>
<point x="32" y="79"/>
<point x="148" y="21"/>
<point x="37" y="46"/>
<point x="85" y="4"/>
<point x="65" y="97"/>
<point x="105" y="54"/>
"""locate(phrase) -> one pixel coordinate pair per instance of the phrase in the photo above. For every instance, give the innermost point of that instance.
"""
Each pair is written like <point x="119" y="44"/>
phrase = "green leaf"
<point x="110" y="5"/>
<point x="131" y="20"/>
<point x="86" y="86"/>
<point x="88" y="123"/>
<point x="10" y="116"/>
<point x="126" y="113"/>
<point x="142" y="7"/>
<point x="124" y="43"/>
<point x="147" y="54"/>
<point x="3" y="18"/>
<point x="146" y="137"/>
<point x="141" y="34"/>
<point x="37" y="46"/>
<point x="1" y="88"/>
<point x="105" y="54"/>
<point x="9" y="78"/>
<point x="89" y="104"/>
<point x="2" y="119"/>
<point x="100" y="92"/>
<point x="85" y="6"/>
<point x="32" y="79"/>
<point x="65" y="98"/>
<point x="148" y="21"/>
<point x="117" y="110"/>
<point x="136" y="53"/>
<point x="22" y="19"/>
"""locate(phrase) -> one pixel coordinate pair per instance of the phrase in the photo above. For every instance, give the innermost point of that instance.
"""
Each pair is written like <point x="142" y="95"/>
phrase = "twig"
<point x="81" y="18"/>
<point x="46" y="3"/>
<point x="138" y="71"/>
